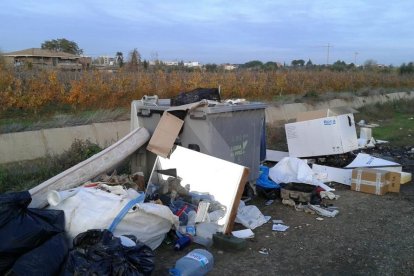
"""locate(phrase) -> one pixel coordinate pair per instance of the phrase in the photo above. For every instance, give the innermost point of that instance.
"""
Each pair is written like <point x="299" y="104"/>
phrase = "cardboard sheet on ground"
<point x="328" y="174"/>
<point x="291" y="169"/>
<point x="364" y="160"/>
<point x="206" y="174"/>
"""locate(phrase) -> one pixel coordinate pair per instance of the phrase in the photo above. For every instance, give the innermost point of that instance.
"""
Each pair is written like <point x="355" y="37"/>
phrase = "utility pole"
<point x="355" y="58"/>
<point x="327" y="53"/>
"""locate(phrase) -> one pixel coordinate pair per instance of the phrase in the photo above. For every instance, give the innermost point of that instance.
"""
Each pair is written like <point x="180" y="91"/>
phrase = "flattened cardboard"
<point x="363" y="160"/>
<point x="168" y="128"/>
<point x="369" y="181"/>
<point x="328" y="174"/>
<point x="165" y="134"/>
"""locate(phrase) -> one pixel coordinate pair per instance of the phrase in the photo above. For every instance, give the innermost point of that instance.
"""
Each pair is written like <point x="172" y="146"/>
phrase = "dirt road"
<point x="372" y="235"/>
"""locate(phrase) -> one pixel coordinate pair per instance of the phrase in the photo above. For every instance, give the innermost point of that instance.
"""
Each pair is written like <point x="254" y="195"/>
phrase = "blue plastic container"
<point x="197" y="262"/>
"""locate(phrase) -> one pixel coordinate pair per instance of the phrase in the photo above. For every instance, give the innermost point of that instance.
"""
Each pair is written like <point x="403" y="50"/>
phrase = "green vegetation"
<point x="62" y="45"/>
<point x="25" y="175"/>
<point x="54" y="119"/>
<point x="395" y="119"/>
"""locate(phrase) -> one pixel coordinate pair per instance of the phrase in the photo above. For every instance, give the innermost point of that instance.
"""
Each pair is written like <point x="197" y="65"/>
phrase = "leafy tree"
<point x="309" y="64"/>
<point x="62" y="45"/>
<point x="298" y="63"/>
<point x="370" y="64"/>
<point x="253" y="64"/>
<point x="339" y="66"/>
<point x="119" y="58"/>
<point x="406" y="68"/>
<point x="211" y="67"/>
<point x="145" y="64"/>
<point x="270" y="66"/>
<point x="134" y="60"/>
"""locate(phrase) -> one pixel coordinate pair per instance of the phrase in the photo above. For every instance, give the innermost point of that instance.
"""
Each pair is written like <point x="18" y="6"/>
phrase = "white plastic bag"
<point x="292" y="169"/>
<point x="96" y="209"/>
<point x="250" y="216"/>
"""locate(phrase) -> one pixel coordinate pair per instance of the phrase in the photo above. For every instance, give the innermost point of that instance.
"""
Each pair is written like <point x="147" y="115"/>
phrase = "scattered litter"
<point x="197" y="262"/>
<point x="267" y="218"/>
<point x="319" y="218"/>
<point x="264" y="251"/>
<point x="295" y="170"/>
<point x="289" y="202"/>
<point x="202" y="211"/>
<point x="269" y="202"/>
<point x="323" y="212"/>
<point x="279" y="227"/>
<point x="250" y="216"/>
<point x="276" y="221"/>
<point x="328" y="195"/>
<point x="243" y="234"/>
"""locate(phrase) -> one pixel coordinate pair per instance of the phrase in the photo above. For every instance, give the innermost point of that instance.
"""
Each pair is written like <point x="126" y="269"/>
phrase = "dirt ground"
<point x="371" y="235"/>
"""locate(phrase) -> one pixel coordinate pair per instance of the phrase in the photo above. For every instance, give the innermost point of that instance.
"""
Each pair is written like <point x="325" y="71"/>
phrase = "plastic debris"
<point x="279" y="227"/>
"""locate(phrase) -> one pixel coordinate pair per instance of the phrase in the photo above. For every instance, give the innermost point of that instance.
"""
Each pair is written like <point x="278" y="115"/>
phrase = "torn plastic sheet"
<point x="292" y="169"/>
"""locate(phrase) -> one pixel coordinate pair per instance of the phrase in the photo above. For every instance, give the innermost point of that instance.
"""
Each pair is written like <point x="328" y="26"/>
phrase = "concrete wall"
<point x="29" y="145"/>
<point x="281" y="114"/>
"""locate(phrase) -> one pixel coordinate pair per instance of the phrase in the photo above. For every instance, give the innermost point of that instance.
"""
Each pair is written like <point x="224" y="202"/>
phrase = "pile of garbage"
<point x="201" y="156"/>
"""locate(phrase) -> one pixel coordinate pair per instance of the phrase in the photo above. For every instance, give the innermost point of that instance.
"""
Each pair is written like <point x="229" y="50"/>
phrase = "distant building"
<point x="107" y="60"/>
<point x="37" y="57"/>
<point x="192" y="64"/>
<point x="229" y="67"/>
<point x="171" y="63"/>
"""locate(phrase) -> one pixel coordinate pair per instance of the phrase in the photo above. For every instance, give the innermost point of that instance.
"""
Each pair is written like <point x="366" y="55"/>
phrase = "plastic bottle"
<point x="190" y="229"/>
<point x="182" y="242"/>
<point x="203" y="241"/>
<point x="197" y="262"/>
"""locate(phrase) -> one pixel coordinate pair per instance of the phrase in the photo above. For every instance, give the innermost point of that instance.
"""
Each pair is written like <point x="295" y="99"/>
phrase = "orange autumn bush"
<point x="35" y="91"/>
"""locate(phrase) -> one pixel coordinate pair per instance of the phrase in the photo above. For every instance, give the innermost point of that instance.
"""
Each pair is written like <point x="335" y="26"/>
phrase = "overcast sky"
<point x="218" y="31"/>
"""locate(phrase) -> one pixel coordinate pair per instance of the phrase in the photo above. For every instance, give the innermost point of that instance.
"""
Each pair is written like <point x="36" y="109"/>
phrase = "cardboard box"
<point x="369" y="181"/>
<point x="394" y="181"/>
<point x="322" y="132"/>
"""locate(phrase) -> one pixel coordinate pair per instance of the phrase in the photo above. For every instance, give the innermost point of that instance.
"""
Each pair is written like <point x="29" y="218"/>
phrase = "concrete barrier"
<point x="281" y="114"/>
<point x="30" y="145"/>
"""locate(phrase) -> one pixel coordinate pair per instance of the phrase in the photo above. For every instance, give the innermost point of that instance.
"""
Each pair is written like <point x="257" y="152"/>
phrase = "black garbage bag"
<point x="196" y="95"/>
<point x="23" y="229"/>
<point x="98" y="252"/>
<point x="46" y="259"/>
